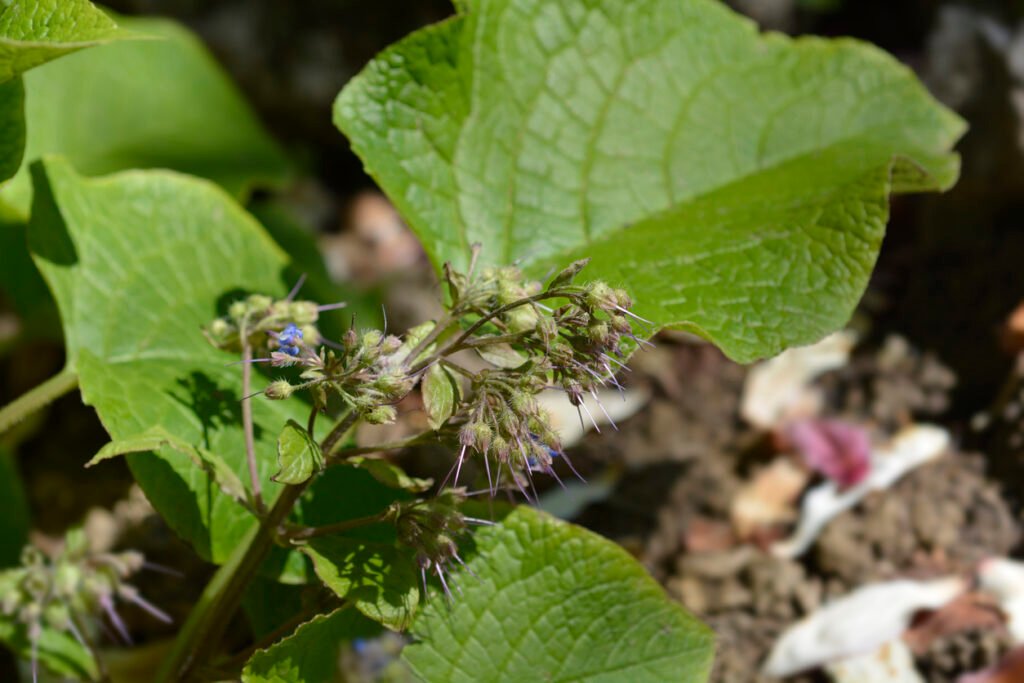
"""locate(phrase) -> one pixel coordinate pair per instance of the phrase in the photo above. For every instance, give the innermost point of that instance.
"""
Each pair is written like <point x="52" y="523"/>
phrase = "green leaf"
<point x="298" y="455"/>
<point x="557" y="603"/>
<point x="162" y="103"/>
<point x="760" y="166"/>
<point x="310" y="655"/>
<point x="14" y="514"/>
<point x="59" y="652"/>
<point x="378" y="578"/>
<point x="389" y="474"/>
<point x="33" y="32"/>
<point x="157" y="437"/>
<point x="501" y="356"/>
<point x="137" y="263"/>
<point x="440" y="395"/>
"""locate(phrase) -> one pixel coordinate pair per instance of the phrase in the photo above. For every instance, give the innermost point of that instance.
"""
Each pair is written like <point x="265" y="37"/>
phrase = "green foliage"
<point x="556" y="602"/>
<point x="310" y="655"/>
<point x="138" y="263"/>
<point x="375" y="577"/>
<point x="389" y="474"/>
<point x="14" y="515"/>
<point x="32" y="33"/>
<point x="298" y="455"/>
<point x="440" y="394"/>
<point x="57" y="651"/>
<point x="761" y="166"/>
<point x="158" y="103"/>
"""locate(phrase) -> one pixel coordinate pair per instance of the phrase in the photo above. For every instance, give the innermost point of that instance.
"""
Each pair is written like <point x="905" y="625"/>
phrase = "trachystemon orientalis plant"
<point x="569" y="335"/>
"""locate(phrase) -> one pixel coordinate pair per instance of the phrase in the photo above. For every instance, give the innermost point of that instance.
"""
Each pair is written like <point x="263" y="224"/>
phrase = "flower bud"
<point x="303" y="312"/>
<point x="599" y="333"/>
<point x="482" y="434"/>
<point x="521" y="319"/>
<point x="390" y="345"/>
<point x="381" y="415"/>
<point x="372" y="338"/>
<point x="258" y="303"/>
<point x="279" y="390"/>
<point x="237" y="310"/>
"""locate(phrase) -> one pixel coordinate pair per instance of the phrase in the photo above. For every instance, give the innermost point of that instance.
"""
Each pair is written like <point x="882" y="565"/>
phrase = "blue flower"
<point x="288" y="340"/>
<point x="290" y="336"/>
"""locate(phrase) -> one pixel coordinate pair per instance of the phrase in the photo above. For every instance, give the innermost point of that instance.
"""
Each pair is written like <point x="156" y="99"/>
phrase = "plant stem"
<point x="460" y="341"/>
<point x="49" y="391"/>
<point x="247" y="427"/>
<point x="305" y="533"/>
<point x="388" y="446"/>
<point x="202" y="632"/>
<point x="442" y="324"/>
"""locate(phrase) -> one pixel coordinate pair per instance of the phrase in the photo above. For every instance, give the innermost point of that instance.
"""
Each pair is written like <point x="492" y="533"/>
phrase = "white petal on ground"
<point x="566" y="420"/>
<point x="1004" y="580"/>
<point x="779" y="389"/>
<point x="891" y="663"/>
<point x="857" y="624"/>
<point x="910" y="448"/>
<point x="769" y="498"/>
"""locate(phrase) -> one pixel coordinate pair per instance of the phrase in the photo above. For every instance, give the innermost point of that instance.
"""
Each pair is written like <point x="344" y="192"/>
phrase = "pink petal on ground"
<point x="839" y="450"/>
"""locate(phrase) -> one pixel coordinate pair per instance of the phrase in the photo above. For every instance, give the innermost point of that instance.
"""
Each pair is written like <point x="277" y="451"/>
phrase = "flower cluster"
<point x="430" y="527"/>
<point x="534" y="337"/>
<point x="577" y="347"/>
<point x="284" y="329"/>
<point x="70" y="591"/>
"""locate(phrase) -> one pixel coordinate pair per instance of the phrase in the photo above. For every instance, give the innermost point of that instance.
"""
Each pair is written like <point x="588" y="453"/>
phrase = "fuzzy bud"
<point x="381" y="415"/>
<point x="279" y="390"/>
<point x="601" y="296"/>
<point x="238" y="310"/>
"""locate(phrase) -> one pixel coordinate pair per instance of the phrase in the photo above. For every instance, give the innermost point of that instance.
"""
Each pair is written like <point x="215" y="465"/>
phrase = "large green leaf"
<point x="137" y="263"/>
<point x="758" y="167"/>
<point x="554" y="602"/>
<point x="161" y="103"/>
<point x="310" y="655"/>
<point x="33" y="32"/>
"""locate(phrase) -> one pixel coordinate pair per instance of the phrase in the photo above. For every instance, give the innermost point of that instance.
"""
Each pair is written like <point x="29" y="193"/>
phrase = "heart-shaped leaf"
<point x="138" y="262"/>
<point x="758" y="167"/>
<point x="159" y="103"/>
<point x="554" y="602"/>
<point x="298" y="455"/>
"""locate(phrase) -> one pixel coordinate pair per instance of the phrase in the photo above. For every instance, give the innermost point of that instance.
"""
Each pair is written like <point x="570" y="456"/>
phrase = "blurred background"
<point x="689" y="484"/>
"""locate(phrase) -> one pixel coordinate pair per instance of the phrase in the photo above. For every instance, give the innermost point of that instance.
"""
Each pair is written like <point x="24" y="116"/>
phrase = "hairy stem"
<point x="461" y="340"/>
<point x="35" y="399"/>
<point x="422" y="437"/>
<point x="201" y="635"/>
<point x="247" y="427"/>
<point x="308" y="532"/>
